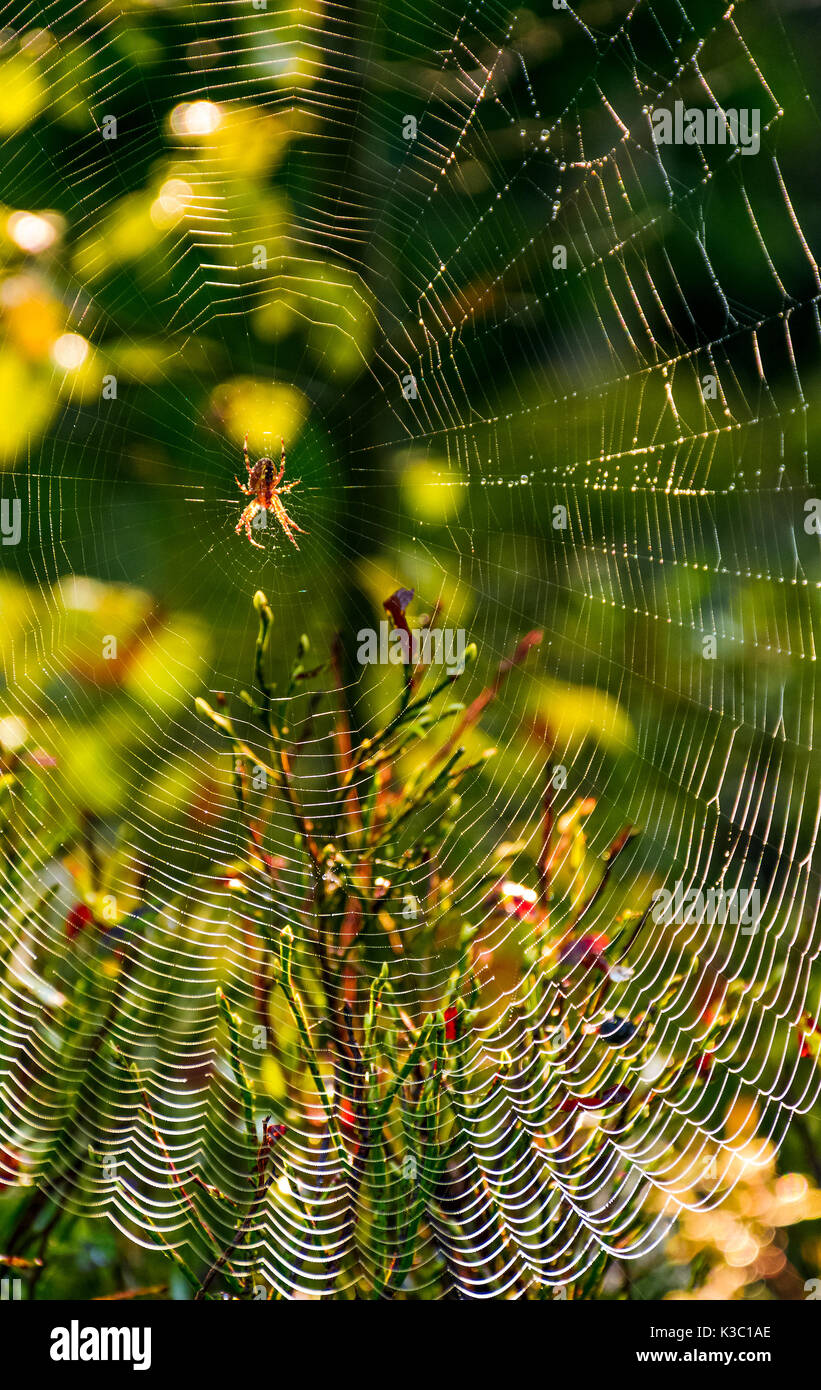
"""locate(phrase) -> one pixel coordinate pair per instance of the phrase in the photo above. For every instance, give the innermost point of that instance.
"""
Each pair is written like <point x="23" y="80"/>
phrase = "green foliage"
<point x="377" y="1052"/>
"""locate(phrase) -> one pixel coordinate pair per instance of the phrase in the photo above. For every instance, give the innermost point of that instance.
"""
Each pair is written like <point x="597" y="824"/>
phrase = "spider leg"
<point x="257" y="545"/>
<point x="284" y="521"/>
<point x="245" y="452"/>
<point x="281" y="473"/>
<point x="242" y="487"/>
<point x="287" y="486"/>
<point x="287" y="522"/>
<point x="245" y="520"/>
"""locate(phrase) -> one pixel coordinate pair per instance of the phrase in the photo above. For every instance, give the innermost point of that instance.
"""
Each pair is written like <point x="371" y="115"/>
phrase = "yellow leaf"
<point x="575" y="713"/>
<point x="23" y="93"/>
<point x="431" y="490"/>
<point x="273" y="1078"/>
<point x="32" y="317"/>
<point x="164" y="670"/>
<point x="268" y="410"/>
<point x="27" y="403"/>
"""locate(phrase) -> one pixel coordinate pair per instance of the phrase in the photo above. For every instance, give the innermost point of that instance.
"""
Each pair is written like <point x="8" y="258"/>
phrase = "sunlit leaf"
<point x="574" y="713"/>
<point x="267" y="410"/>
<point x="23" y="92"/>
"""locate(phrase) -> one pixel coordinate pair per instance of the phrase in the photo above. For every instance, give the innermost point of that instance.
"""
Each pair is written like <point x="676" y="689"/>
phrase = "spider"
<point x="265" y="487"/>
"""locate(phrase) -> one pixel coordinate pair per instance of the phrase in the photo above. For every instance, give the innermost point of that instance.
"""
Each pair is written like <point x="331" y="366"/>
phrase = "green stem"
<point x="295" y="1004"/>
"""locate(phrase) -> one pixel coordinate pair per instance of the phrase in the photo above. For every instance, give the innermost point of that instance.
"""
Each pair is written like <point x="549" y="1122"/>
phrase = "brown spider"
<point x="265" y="486"/>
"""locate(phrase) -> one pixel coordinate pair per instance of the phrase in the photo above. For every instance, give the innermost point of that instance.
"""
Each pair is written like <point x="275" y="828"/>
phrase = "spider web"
<point x="528" y="362"/>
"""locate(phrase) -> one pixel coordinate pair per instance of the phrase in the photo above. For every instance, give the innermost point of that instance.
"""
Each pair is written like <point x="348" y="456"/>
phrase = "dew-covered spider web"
<point x="537" y="367"/>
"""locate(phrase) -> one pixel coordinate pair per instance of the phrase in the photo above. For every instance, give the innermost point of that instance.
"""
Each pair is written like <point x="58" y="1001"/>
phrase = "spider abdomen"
<point x="262" y="480"/>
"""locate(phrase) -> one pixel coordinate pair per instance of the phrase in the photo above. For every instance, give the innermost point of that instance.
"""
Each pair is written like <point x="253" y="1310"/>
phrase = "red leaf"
<point x="395" y="606"/>
<point x="585" y="950"/>
<point x="704" y="1065"/>
<point x="78" y="917"/>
